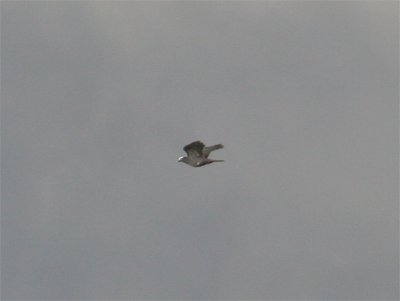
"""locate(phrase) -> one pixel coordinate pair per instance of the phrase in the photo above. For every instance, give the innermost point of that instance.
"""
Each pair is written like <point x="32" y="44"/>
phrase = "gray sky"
<point x="98" y="99"/>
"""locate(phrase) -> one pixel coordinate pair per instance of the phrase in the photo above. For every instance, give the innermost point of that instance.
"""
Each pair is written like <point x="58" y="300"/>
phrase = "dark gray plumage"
<point x="197" y="154"/>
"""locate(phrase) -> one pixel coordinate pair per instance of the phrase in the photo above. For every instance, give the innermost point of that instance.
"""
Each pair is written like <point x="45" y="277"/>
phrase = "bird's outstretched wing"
<point x="194" y="149"/>
<point x="208" y="149"/>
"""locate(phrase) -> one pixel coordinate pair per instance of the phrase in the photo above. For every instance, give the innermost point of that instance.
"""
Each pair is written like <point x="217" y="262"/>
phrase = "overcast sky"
<point x="98" y="100"/>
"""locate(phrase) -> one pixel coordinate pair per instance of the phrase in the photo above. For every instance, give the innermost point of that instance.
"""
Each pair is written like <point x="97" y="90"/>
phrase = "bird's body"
<point x="197" y="154"/>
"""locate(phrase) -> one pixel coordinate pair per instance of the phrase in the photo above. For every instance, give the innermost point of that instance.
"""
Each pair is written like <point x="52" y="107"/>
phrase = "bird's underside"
<point x="197" y="154"/>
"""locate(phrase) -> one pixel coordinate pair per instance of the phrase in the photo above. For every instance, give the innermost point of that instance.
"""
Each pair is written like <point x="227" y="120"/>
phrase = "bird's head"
<point x="181" y="159"/>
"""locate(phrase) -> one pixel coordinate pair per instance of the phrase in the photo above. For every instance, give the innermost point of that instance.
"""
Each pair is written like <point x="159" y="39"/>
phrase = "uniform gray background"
<point x="98" y="99"/>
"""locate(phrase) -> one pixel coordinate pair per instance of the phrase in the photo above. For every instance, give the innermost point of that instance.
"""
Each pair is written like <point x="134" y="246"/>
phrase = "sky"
<point x="98" y="100"/>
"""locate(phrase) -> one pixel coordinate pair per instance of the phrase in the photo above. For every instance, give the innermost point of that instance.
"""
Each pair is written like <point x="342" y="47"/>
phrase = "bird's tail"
<point x="218" y="160"/>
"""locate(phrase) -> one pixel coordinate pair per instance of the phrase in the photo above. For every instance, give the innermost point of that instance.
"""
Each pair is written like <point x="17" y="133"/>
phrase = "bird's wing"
<point x="194" y="149"/>
<point x="208" y="149"/>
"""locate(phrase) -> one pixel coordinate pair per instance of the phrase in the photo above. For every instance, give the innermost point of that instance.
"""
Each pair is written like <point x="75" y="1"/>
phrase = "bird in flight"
<point x="197" y="154"/>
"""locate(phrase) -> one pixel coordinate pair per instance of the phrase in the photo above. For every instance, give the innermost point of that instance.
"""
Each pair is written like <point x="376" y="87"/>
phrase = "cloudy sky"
<point x="98" y="99"/>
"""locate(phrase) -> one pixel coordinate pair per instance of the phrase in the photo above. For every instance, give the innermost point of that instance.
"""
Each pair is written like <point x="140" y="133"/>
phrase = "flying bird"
<point x="197" y="154"/>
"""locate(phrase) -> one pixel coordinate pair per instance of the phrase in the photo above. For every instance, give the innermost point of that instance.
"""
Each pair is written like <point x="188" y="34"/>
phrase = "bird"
<point x="197" y="154"/>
